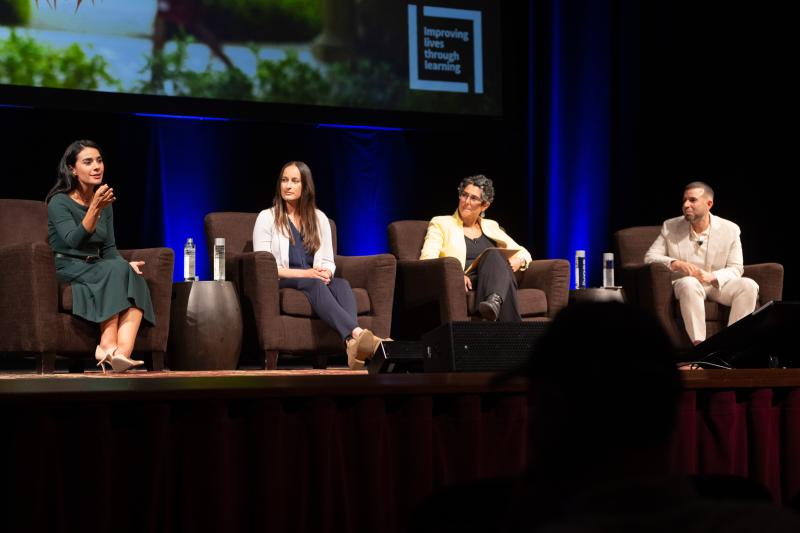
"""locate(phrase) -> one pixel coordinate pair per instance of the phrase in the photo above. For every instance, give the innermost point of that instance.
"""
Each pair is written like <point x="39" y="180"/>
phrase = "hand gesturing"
<point x="103" y="197"/>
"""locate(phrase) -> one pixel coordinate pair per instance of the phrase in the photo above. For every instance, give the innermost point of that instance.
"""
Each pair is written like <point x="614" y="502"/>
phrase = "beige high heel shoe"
<point x="121" y="363"/>
<point x="103" y="358"/>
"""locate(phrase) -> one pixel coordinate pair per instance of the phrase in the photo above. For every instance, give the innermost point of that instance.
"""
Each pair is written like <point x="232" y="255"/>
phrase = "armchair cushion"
<point x="295" y="303"/>
<point x="157" y="271"/>
<point x="551" y="276"/>
<point x="532" y="302"/>
<point x="65" y="297"/>
<point x="769" y="277"/>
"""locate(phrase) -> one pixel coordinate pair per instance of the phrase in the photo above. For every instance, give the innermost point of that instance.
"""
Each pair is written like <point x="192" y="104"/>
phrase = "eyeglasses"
<point x="467" y="197"/>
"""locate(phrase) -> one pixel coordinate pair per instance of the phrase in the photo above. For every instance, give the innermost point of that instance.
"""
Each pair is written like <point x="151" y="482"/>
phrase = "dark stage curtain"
<point x="751" y="433"/>
<point x="289" y="464"/>
<point x="322" y="463"/>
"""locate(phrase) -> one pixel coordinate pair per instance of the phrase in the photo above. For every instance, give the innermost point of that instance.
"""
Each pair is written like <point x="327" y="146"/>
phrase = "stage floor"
<point x="248" y="383"/>
<point x="314" y="382"/>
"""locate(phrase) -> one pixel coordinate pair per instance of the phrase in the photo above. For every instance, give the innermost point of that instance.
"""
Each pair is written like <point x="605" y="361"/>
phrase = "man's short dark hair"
<point x="707" y="190"/>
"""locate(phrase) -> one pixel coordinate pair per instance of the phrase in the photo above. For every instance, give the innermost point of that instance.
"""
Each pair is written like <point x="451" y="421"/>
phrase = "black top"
<point x="476" y="246"/>
<point x="298" y="256"/>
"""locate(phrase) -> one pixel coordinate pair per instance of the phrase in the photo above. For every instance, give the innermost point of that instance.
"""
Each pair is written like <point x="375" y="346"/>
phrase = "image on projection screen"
<point x="439" y="56"/>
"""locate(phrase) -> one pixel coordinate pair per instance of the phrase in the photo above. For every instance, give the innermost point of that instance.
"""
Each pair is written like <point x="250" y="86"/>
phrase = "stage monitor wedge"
<point x="397" y="357"/>
<point x="767" y="338"/>
<point x="480" y="346"/>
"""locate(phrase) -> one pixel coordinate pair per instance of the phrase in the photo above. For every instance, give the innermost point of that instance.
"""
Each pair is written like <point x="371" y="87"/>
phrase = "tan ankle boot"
<point x="353" y="363"/>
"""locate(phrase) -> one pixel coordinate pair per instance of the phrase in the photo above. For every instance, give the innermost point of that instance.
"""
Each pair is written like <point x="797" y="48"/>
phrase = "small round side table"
<point x="205" y="328"/>
<point x="597" y="294"/>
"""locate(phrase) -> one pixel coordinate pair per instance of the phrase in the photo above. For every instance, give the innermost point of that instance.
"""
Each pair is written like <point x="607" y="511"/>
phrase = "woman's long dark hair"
<point x="66" y="180"/>
<point x="306" y="208"/>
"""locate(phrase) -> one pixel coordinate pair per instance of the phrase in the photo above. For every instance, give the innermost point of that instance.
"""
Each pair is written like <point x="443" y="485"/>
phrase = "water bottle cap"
<point x="219" y="241"/>
<point x="580" y="253"/>
<point x="608" y="256"/>
<point x="189" y="241"/>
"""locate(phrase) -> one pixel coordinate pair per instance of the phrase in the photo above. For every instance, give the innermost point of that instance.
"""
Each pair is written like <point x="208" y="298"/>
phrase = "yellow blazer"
<point x="445" y="238"/>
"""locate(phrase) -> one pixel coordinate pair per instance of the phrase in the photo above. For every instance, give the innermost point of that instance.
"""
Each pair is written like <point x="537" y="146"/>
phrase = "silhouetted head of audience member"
<point x="603" y="395"/>
<point x="603" y="398"/>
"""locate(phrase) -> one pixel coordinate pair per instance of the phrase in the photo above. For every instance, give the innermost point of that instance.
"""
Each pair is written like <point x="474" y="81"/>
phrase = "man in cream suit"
<point x="704" y="253"/>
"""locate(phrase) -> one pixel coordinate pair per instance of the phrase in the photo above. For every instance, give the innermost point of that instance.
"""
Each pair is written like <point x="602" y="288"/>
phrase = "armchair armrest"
<point x="157" y="271"/>
<point x="655" y="294"/>
<point x="769" y="277"/>
<point x="376" y="274"/>
<point x="654" y="284"/>
<point x="626" y="277"/>
<point x="258" y="286"/>
<point x="439" y="281"/>
<point x="29" y="306"/>
<point x="550" y="276"/>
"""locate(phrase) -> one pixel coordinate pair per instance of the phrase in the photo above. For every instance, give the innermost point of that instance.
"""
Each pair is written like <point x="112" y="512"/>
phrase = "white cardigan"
<point x="269" y="238"/>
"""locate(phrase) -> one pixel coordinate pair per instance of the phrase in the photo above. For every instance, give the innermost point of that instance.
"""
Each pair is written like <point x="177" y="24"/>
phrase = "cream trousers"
<point x="740" y="294"/>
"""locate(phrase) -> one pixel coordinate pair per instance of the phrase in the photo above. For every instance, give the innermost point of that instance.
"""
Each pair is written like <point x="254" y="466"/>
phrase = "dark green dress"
<point x="103" y="288"/>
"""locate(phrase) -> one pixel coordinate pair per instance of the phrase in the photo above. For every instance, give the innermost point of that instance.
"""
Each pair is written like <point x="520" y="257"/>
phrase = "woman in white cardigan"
<point x="299" y="236"/>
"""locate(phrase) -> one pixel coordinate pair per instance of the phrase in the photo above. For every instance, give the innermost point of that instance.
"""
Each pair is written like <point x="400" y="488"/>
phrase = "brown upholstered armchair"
<point x="281" y="320"/>
<point x="35" y="309"/>
<point x="431" y="292"/>
<point x="650" y="286"/>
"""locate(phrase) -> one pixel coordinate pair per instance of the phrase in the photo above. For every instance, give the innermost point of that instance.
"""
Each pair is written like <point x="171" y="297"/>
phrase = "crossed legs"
<point x="496" y="277"/>
<point x="740" y="294"/>
<point x="120" y="331"/>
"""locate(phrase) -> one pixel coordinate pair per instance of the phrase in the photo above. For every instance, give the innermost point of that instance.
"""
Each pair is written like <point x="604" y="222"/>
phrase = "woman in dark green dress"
<point x="105" y="288"/>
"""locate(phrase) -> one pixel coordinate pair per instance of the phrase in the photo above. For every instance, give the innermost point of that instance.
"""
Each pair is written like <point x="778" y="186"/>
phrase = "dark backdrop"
<point x="610" y="107"/>
<point x="716" y="103"/>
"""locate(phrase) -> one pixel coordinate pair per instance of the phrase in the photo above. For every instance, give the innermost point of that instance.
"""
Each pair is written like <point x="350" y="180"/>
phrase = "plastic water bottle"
<point x="219" y="259"/>
<point x="608" y="270"/>
<point x="580" y="269"/>
<point x="188" y="260"/>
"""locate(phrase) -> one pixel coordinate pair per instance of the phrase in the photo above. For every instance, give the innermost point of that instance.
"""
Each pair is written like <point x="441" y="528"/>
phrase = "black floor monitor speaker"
<point x="767" y="338"/>
<point x="480" y="346"/>
<point x="397" y="357"/>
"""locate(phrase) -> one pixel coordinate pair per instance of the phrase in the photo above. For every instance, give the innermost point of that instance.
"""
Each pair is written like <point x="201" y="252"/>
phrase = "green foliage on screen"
<point x="288" y="80"/>
<point x="168" y="72"/>
<point x="25" y="61"/>
<point x="365" y="82"/>
<point x="285" y="21"/>
<point x="354" y="83"/>
<point x="15" y="12"/>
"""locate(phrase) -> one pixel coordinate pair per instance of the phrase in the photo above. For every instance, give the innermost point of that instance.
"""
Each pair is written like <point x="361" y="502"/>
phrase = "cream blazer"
<point x="445" y="238"/>
<point x="269" y="238"/>
<point x="723" y="256"/>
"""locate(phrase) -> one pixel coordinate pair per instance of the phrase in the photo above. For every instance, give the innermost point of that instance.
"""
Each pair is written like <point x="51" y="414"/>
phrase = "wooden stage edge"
<point x="305" y="383"/>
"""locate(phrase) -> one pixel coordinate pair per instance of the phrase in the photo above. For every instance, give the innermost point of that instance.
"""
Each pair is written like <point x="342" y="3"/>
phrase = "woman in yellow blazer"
<point x="464" y="235"/>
